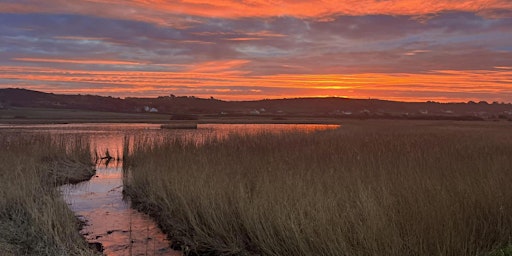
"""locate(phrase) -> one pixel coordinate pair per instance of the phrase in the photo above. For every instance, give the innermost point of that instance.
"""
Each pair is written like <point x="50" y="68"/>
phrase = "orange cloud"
<point x="244" y="39"/>
<point x="217" y="66"/>
<point x="222" y="80"/>
<point x="312" y="9"/>
<point x="415" y="52"/>
<point x="170" y="13"/>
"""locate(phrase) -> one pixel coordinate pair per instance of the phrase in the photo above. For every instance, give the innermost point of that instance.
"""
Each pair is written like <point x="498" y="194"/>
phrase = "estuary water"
<point x="99" y="202"/>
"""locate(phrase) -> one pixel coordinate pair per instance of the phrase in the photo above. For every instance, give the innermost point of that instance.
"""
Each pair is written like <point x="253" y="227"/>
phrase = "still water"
<point x="100" y="203"/>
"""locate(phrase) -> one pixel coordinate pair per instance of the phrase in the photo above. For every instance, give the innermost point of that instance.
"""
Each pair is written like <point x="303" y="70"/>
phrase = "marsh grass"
<point x="34" y="219"/>
<point x="365" y="189"/>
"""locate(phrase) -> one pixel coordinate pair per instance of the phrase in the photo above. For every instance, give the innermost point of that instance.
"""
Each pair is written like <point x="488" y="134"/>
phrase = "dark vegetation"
<point x="189" y="107"/>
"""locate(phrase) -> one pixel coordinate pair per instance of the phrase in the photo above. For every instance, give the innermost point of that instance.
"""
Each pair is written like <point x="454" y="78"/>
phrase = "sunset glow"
<point x="446" y="51"/>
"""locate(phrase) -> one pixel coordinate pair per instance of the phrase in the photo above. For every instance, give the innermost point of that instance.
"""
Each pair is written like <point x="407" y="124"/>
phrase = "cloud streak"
<point x="74" y="61"/>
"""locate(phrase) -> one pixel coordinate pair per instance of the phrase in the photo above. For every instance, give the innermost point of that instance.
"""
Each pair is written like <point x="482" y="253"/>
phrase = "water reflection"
<point x="110" y="219"/>
<point x="99" y="201"/>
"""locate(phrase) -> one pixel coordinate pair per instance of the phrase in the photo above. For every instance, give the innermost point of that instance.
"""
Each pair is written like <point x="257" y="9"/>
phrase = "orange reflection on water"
<point x="125" y="232"/>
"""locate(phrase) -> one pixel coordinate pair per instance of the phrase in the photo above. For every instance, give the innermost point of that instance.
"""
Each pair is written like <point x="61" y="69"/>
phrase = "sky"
<point x="408" y="50"/>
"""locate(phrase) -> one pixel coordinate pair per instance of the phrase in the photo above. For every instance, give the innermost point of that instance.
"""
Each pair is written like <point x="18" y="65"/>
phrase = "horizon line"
<point x="262" y="99"/>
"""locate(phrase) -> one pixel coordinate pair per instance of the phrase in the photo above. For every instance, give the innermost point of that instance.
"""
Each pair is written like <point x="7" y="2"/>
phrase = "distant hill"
<point x="27" y="98"/>
<point x="184" y="106"/>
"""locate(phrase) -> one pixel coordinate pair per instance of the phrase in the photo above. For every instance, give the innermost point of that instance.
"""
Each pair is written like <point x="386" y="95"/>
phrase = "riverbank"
<point x="369" y="188"/>
<point x="26" y="116"/>
<point x="34" y="219"/>
<point x="18" y="115"/>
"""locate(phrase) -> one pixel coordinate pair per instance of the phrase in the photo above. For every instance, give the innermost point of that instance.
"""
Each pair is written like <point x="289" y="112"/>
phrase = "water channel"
<point x="100" y="203"/>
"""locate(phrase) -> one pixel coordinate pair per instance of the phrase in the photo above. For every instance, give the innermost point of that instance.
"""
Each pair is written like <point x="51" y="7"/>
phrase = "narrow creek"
<point x="109" y="218"/>
<point x="99" y="202"/>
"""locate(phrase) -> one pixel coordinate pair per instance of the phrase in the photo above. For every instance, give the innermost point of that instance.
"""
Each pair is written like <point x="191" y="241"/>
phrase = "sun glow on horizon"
<point x="219" y="80"/>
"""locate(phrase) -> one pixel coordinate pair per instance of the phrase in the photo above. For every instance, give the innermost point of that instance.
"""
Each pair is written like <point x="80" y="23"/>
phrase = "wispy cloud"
<point x="217" y="66"/>
<point x="414" y="52"/>
<point x="76" y="61"/>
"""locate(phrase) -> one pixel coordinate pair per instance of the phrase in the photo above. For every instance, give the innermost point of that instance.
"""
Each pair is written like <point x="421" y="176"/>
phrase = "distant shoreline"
<point x="22" y="115"/>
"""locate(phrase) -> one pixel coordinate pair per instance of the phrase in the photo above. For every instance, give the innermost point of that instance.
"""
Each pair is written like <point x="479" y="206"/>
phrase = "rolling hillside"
<point x="322" y="107"/>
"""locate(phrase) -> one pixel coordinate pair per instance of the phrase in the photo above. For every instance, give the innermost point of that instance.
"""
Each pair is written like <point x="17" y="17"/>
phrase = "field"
<point x="17" y="115"/>
<point x="368" y="188"/>
<point x="34" y="219"/>
<point x="23" y="115"/>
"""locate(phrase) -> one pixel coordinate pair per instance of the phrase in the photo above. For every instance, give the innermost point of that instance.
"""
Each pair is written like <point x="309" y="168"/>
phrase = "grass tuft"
<point x="34" y="219"/>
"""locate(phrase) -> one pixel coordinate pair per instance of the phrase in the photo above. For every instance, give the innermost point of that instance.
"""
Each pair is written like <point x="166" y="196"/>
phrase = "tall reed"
<point x="390" y="189"/>
<point x="34" y="219"/>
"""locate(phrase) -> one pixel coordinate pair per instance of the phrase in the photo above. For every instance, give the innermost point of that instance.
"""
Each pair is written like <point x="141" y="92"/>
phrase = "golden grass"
<point x="375" y="188"/>
<point x="34" y="219"/>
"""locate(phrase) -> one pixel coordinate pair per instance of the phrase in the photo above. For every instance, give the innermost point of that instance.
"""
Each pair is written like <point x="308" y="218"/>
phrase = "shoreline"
<point x="327" y="121"/>
<point x="67" y="172"/>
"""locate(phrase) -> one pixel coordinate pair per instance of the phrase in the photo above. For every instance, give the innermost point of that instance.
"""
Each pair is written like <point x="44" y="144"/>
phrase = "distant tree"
<point x="483" y="102"/>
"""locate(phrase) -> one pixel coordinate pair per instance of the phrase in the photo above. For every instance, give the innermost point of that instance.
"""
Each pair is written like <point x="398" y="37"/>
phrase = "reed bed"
<point x="365" y="189"/>
<point x="34" y="219"/>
